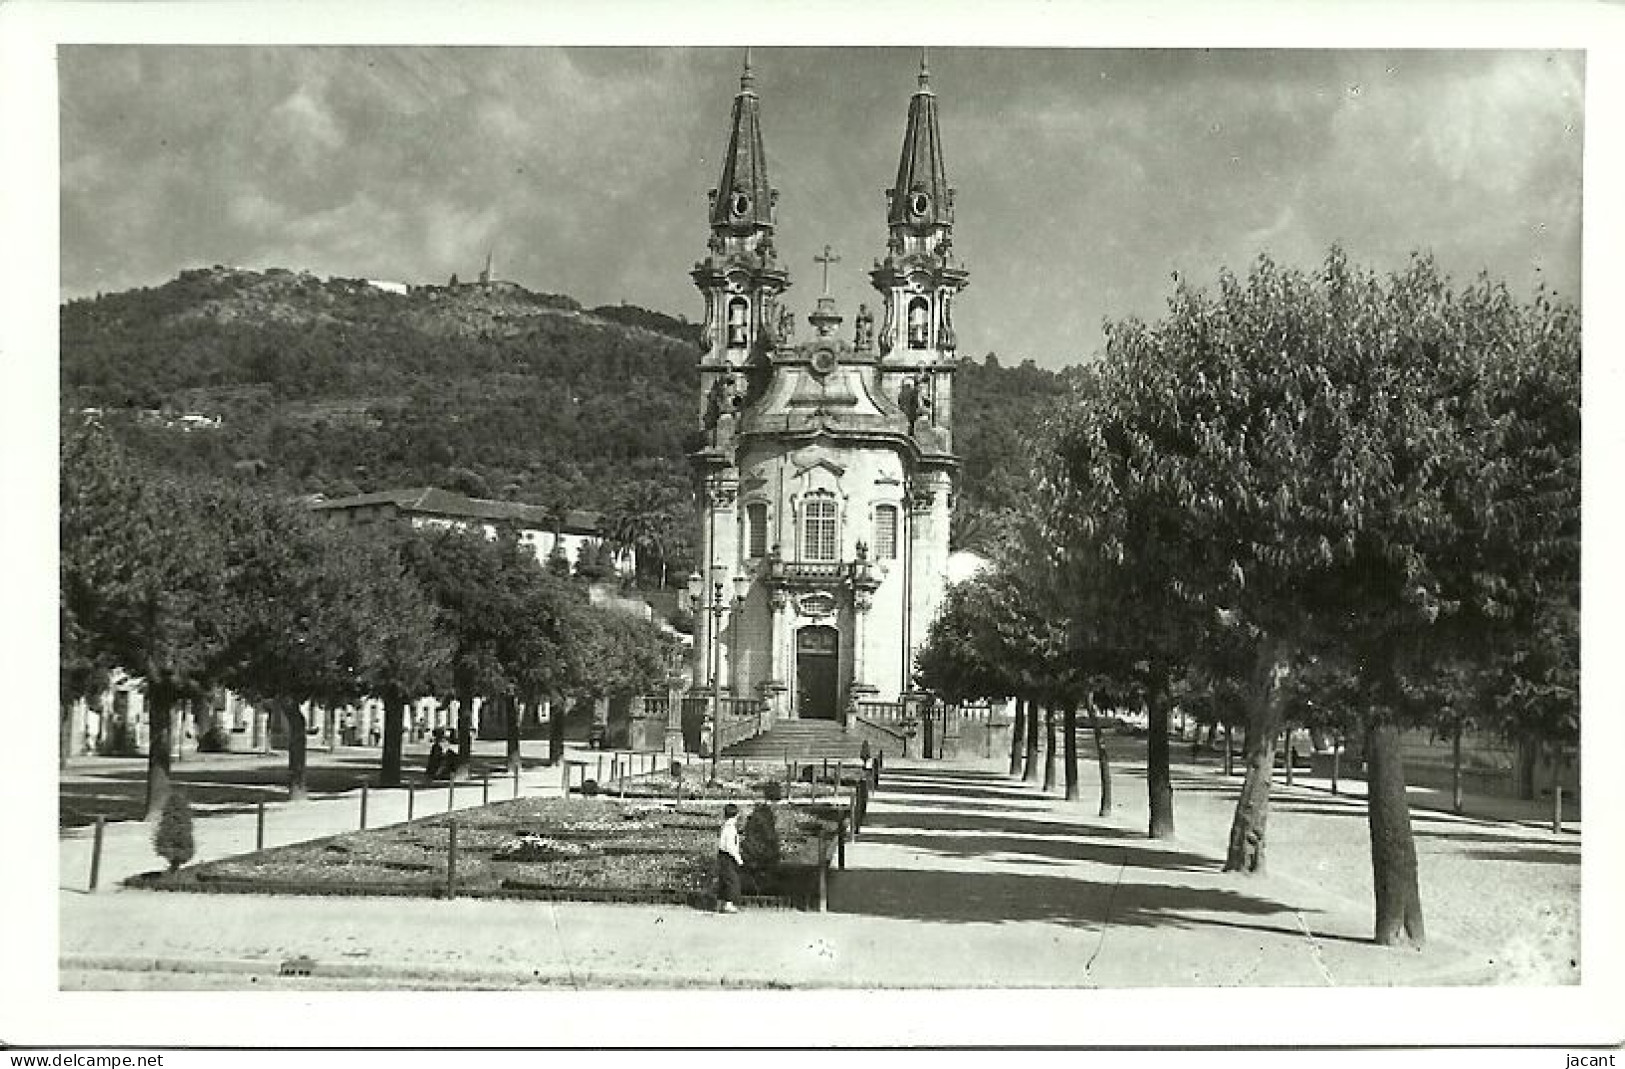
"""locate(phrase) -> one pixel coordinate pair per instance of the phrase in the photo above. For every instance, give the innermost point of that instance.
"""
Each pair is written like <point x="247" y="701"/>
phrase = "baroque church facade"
<point x="827" y="471"/>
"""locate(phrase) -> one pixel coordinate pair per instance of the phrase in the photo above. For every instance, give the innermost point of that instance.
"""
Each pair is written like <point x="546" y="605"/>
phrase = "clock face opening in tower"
<point x="739" y="205"/>
<point x="919" y="204"/>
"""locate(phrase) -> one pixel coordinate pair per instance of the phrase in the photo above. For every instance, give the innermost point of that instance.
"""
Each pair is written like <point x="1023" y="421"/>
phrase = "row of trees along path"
<point x="1327" y="498"/>
<point x="192" y="584"/>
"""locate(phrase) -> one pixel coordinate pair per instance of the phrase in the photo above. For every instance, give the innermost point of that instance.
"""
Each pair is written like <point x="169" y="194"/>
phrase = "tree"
<point x="1335" y="464"/>
<point x="403" y="651"/>
<point x="997" y="636"/>
<point x="144" y="581"/>
<point x="311" y="629"/>
<point x="466" y="576"/>
<point x="645" y="517"/>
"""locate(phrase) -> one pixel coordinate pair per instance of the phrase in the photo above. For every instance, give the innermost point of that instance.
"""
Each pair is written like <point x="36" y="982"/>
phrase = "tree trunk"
<point x="1159" y="781"/>
<point x="1018" y="737"/>
<point x="510" y="709"/>
<point x="1049" y="748"/>
<point x="64" y="735"/>
<point x="394" y="739"/>
<point x="160" y="719"/>
<point x="1069" y="748"/>
<point x="1247" y="828"/>
<point x="1029" y="771"/>
<point x="1393" y="851"/>
<point x="294" y="718"/>
<point x="1455" y="771"/>
<point x="555" y="729"/>
<point x="465" y="734"/>
<point x="1528" y="754"/>
<point x="1104" y="760"/>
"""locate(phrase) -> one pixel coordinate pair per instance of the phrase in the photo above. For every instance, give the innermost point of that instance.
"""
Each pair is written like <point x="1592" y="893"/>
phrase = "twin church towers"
<point x="826" y="469"/>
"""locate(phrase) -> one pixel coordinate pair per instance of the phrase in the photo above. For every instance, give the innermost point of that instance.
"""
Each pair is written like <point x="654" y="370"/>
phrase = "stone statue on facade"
<point x="913" y="399"/>
<point x="864" y="337"/>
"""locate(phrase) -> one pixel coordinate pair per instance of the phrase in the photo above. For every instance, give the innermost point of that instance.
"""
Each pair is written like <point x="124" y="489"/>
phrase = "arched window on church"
<point x="818" y="528"/>
<point x="886" y="532"/>
<point x="738" y="320"/>
<point x="755" y="531"/>
<point x="919" y="323"/>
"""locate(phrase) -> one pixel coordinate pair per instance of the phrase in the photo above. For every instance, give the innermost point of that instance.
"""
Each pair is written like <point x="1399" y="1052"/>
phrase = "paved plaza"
<point x="962" y="877"/>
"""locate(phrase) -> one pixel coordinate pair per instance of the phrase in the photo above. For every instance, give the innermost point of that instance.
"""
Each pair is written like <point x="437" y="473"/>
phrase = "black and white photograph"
<point x="1080" y="524"/>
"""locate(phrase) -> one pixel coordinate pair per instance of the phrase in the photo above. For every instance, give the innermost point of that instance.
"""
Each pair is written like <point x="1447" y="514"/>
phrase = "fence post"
<point x="516" y="783"/>
<point x="96" y="852"/>
<point x="451" y="792"/>
<point x="451" y="859"/>
<point x="1337" y="760"/>
<point x="1557" y="804"/>
<point x="564" y="776"/>
<point x="600" y="769"/>
<point x="259" y="826"/>
<point x="411" y="799"/>
<point x="485" y="787"/>
<point x="363" y="806"/>
<point x="823" y="874"/>
<point x="840" y="843"/>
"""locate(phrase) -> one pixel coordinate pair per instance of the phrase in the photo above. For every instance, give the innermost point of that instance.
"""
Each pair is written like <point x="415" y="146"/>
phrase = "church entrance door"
<point x="818" y="659"/>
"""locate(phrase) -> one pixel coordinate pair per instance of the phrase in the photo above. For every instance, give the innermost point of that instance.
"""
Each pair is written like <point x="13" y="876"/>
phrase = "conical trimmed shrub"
<point x="172" y="838"/>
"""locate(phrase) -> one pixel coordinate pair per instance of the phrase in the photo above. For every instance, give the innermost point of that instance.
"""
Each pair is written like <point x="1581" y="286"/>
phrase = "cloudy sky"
<point x="1085" y="177"/>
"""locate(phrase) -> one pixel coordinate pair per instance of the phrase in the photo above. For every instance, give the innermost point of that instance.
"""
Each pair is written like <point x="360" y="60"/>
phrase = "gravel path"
<point x="1509" y="891"/>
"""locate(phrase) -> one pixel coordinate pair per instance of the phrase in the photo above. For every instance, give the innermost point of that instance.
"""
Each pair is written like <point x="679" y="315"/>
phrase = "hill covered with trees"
<point x="303" y="385"/>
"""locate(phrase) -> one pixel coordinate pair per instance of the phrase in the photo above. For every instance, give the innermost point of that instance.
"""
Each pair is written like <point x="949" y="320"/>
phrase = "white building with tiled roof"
<point x="540" y="528"/>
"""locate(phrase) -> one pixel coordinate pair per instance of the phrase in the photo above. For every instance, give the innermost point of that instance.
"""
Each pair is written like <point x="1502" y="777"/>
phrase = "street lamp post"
<point x="717" y="605"/>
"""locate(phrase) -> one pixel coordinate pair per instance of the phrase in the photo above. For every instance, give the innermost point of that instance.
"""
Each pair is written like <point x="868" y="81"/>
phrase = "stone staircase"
<point x="801" y="740"/>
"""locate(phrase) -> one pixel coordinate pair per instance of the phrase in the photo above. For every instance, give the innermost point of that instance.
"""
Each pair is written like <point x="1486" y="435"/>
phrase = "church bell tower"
<point x="740" y="280"/>
<point x="918" y="279"/>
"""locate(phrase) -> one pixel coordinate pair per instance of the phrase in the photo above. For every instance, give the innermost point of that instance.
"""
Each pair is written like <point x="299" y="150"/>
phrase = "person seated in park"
<point x="435" y="767"/>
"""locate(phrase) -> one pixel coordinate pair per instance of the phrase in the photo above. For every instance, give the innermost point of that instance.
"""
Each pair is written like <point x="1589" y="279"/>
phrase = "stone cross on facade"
<point x="826" y="258"/>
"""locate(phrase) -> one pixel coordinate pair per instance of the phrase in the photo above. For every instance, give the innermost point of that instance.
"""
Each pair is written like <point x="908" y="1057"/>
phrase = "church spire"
<point x="743" y="199"/>
<point x="920" y="275"/>
<point x="921" y="199"/>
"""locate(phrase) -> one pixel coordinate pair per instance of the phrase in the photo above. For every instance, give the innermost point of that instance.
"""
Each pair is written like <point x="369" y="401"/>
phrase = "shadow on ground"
<point x="121" y="794"/>
<point x="1059" y="849"/>
<point x="1005" y="897"/>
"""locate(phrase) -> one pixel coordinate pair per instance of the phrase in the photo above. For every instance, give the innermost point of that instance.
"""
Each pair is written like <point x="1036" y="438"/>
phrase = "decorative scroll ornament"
<point x="817" y="604"/>
<point x="708" y="332"/>
<point x="721" y="495"/>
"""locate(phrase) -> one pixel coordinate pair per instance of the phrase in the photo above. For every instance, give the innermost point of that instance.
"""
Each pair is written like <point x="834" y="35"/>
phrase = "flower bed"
<point x="735" y="781"/>
<point x="596" y="849"/>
